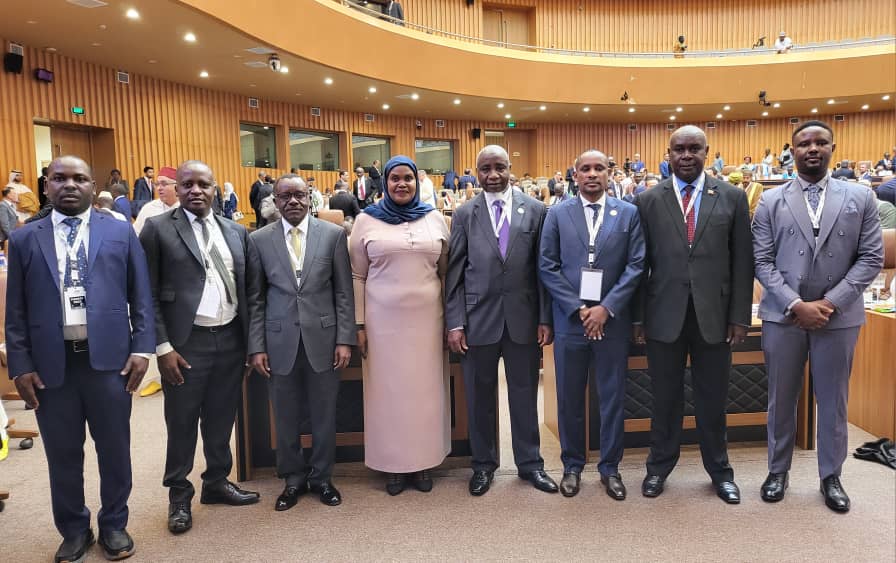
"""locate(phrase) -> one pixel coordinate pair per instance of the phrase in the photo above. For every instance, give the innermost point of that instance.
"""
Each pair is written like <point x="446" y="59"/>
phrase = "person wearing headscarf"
<point x="28" y="203"/>
<point x="399" y="252"/>
<point x="230" y="200"/>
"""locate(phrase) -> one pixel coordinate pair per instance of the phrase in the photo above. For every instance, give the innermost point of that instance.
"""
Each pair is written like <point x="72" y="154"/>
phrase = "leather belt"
<point x="76" y="346"/>
<point x="213" y="329"/>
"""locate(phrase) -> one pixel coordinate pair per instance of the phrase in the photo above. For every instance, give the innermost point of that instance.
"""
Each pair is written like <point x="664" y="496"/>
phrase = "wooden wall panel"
<point x="651" y="26"/>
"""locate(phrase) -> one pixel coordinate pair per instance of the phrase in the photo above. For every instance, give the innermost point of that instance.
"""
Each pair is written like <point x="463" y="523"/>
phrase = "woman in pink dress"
<point x="399" y="249"/>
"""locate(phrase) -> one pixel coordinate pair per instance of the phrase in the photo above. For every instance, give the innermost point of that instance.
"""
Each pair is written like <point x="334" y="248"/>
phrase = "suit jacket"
<point x="123" y="206"/>
<point x="118" y="282"/>
<point x="142" y="194"/>
<point x="369" y="193"/>
<point x="319" y="313"/>
<point x="619" y="251"/>
<point x="484" y="292"/>
<point x="375" y="178"/>
<point x="177" y="272"/>
<point x="8" y="220"/>
<point x="346" y="203"/>
<point x="791" y="263"/>
<point x="254" y="198"/>
<point x="717" y="270"/>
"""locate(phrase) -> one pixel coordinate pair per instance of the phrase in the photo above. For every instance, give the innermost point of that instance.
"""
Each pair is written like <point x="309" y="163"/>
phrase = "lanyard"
<point x="593" y="230"/>
<point x="815" y="216"/>
<point x="686" y="212"/>
<point x="72" y="251"/>
<point x="496" y="226"/>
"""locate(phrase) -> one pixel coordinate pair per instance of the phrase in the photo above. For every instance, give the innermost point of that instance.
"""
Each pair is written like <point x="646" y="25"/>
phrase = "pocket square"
<point x="851" y="208"/>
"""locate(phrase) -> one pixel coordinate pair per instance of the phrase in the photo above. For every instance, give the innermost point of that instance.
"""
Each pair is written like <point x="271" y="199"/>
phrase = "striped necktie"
<point x="218" y="262"/>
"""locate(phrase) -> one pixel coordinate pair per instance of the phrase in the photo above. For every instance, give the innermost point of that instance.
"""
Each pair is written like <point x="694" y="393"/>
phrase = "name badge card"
<point x="590" y="286"/>
<point x="211" y="300"/>
<point x="75" y="306"/>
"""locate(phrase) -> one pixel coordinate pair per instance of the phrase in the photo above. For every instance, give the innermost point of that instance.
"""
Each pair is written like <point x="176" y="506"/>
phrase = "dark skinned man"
<point x="495" y="306"/>
<point x="694" y="302"/>
<point x="97" y="275"/>
<point x="301" y="330"/>
<point x="818" y="245"/>
<point x="197" y="264"/>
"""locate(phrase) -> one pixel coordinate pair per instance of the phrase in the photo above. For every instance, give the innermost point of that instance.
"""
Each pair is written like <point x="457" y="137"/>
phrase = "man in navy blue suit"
<point x="73" y="277"/>
<point x="592" y="258"/>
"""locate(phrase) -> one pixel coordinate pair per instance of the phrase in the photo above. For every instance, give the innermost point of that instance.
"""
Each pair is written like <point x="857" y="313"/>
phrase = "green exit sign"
<point x="77" y="110"/>
<point x="511" y="124"/>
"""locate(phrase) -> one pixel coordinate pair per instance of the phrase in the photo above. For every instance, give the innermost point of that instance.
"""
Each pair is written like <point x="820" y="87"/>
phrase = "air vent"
<point x="369" y="117"/>
<point x="315" y="112"/>
<point x="253" y="103"/>
<point x="670" y="127"/>
<point x="17" y="49"/>
<point x="632" y="127"/>
<point x="751" y="123"/>
<point x="440" y="123"/>
<point x="88" y="3"/>
<point x="794" y="120"/>
<point x="710" y="124"/>
<point x="123" y="77"/>
<point x="839" y="118"/>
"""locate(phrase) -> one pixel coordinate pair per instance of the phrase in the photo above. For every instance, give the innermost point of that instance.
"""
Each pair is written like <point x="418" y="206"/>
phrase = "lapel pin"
<point x="613" y="212"/>
<point x="520" y="210"/>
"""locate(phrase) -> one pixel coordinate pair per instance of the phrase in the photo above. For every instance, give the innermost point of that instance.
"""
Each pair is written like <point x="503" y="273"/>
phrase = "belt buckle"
<point x="214" y="329"/>
<point x="79" y="346"/>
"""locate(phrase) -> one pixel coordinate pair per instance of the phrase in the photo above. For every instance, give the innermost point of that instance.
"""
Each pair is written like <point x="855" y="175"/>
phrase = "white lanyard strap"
<point x="686" y="212"/>
<point x="594" y="226"/>
<point x="72" y="251"/>
<point x="815" y="216"/>
<point x="496" y="225"/>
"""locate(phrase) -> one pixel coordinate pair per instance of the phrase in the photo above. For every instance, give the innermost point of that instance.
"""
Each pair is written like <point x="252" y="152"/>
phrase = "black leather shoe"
<point x="226" y="492"/>
<point x="74" y="549"/>
<point x="728" y="491"/>
<point x="540" y="480"/>
<point x="116" y="544"/>
<point x="569" y="485"/>
<point x="615" y="486"/>
<point x="774" y="486"/>
<point x="834" y="496"/>
<point x="180" y="519"/>
<point x="290" y="496"/>
<point x="480" y="482"/>
<point x="329" y="494"/>
<point x="653" y="486"/>
<point x="423" y="481"/>
<point x="394" y="483"/>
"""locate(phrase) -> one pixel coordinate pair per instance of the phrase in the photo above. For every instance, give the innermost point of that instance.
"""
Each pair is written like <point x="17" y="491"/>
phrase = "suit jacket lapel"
<point x="482" y="214"/>
<point x="278" y="243"/>
<point x="577" y="216"/>
<point x="674" y="209"/>
<point x="97" y="234"/>
<point x="311" y="240"/>
<point x="183" y="228"/>
<point x="47" y="242"/>
<point x="233" y="243"/>
<point x="793" y="196"/>
<point x="516" y="219"/>
<point x="833" y="205"/>
<point x="608" y="226"/>
<point x="708" y="200"/>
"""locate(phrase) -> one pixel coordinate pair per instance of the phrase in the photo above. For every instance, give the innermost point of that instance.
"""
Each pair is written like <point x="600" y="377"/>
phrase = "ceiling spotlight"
<point x="203" y="74"/>
<point x="328" y="81"/>
<point x="385" y="106"/>
<point x="500" y="105"/>
<point x="284" y="70"/>
<point x="132" y="14"/>
<point x="152" y="61"/>
<point x="718" y="116"/>
<point x="776" y="105"/>
<point x="671" y="118"/>
<point x="866" y="106"/>
<point x="190" y="37"/>
<point x="542" y="108"/>
<point x="457" y="101"/>
<point x="726" y="108"/>
<point x="885" y="97"/>
<point x="831" y="102"/>
<point x="506" y="116"/>
<point x="765" y="114"/>
<point x="586" y="109"/>
<point x="679" y="109"/>
<point x="631" y="110"/>
<point x="372" y="89"/>
<point x="415" y="96"/>
<point x="814" y="110"/>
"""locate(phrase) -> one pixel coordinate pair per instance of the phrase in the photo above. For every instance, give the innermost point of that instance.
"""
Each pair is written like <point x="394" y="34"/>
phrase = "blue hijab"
<point x="389" y="211"/>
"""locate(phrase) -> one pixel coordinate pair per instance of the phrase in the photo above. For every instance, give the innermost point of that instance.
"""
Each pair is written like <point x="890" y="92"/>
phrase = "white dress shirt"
<point x="297" y="261"/>
<point x="507" y="197"/>
<point x="151" y="209"/>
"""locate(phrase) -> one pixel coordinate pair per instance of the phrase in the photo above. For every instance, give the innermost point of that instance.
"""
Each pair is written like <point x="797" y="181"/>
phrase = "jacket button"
<point x="841" y="233"/>
<point x="830" y="278"/>
<point x="830" y="254"/>
<point x="790" y="231"/>
<point x="802" y="252"/>
<point x="799" y="277"/>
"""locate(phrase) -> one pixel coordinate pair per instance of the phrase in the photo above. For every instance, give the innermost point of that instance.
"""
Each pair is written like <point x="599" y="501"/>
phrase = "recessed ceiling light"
<point x="96" y="44"/>
<point x="631" y="110"/>
<point x="586" y="109"/>
<point x="831" y="102"/>
<point x="372" y="89"/>
<point x="776" y="105"/>
<point x="671" y="118"/>
<point x="500" y="105"/>
<point x="132" y="14"/>
<point x="50" y="49"/>
<point x="152" y="61"/>
<point x="203" y="74"/>
<point x="284" y="70"/>
<point x="237" y="56"/>
<point x="385" y="106"/>
<point x="415" y="96"/>
<point x="765" y="114"/>
<point x="814" y="110"/>
<point x="31" y="22"/>
<point x="506" y="116"/>
<point x="885" y="97"/>
<point x="726" y="108"/>
<point x="190" y="37"/>
<point x="457" y="101"/>
<point x="718" y="116"/>
<point x="328" y="81"/>
<point x="866" y="106"/>
<point x="251" y="85"/>
<point x="542" y="108"/>
<point x="679" y="109"/>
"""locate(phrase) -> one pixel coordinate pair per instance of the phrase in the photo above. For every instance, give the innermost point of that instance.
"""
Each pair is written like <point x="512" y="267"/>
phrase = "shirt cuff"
<point x="145" y="356"/>
<point x="789" y="308"/>
<point x="164" y="348"/>
<point x="456" y="328"/>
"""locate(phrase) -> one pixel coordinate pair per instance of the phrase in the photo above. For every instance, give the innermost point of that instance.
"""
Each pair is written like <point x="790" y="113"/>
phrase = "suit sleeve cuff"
<point x="789" y="308"/>
<point x="164" y="348"/>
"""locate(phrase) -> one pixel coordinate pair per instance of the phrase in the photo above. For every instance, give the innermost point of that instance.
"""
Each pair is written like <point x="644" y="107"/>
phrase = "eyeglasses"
<point x="286" y="197"/>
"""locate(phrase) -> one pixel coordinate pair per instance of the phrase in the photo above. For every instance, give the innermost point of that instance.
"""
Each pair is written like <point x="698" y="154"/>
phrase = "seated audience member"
<point x="886" y="162"/>
<point x="106" y="204"/>
<point x="747" y="164"/>
<point x="783" y="44"/>
<point x="344" y="201"/>
<point x="844" y="172"/>
<point x="680" y="47"/>
<point x="788" y="173"/>
<point x="557" y="179"/>
<point x="864" y="173"/>
<point x="560" y="194"/>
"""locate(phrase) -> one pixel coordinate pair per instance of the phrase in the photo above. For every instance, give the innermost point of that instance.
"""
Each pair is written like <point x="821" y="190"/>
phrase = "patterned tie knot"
<point x="594" y="206"/>
<point x="73" y="224"/>
<point x="689" y="189"/>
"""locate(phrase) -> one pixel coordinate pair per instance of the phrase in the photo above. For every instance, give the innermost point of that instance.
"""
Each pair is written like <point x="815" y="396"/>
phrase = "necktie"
<point x="595" y="208"/>
<point x="361" y="194"/>
<point x="814" y="197"/>
<point x="296" y="243"/>
<point x="218" y="262"/>
<point x="504" y="230"/>
<point x="689" y="220"/>
<point x="73" y="224"/>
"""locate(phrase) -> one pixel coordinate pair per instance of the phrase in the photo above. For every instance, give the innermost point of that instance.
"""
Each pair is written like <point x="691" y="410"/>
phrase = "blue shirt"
<point x="698" y="188"/>
<point x="665" y="170"/>
<point x="637" y="166"/>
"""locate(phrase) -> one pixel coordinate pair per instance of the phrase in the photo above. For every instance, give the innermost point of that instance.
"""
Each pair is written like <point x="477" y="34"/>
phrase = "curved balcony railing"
<point x="765" y="49"/>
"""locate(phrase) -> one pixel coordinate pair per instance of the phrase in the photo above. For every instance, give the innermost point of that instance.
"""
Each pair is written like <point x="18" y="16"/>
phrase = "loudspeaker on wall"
<point x="475" y="132"/>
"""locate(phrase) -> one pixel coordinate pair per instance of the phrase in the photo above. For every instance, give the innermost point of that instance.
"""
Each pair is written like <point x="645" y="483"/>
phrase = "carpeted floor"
<point x="512" y="522"/>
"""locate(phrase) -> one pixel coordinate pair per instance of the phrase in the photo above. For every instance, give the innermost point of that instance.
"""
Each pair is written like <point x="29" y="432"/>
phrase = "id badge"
<point x="75" y="302"/>
<point x="590" y="286"/>
<point x="211" y="300"/>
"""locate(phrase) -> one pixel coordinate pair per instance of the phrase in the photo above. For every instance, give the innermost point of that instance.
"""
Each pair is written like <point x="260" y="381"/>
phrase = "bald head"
<point x="493" y="168"/>
<point x="687" y="152"/>
<point x="592" y="153"/>
<point x="493" y="150"/>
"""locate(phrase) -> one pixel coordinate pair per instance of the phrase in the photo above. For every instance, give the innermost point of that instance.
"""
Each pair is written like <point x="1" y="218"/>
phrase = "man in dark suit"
<point x="376" y="179"/>
<point x="818" y="245"/>
<point x="301" y="330"/>
<point x="694" y="302"/>
<point x="363" y="189"/>
<point x="143" y="191"/>
<point x="344" y="201"/>
<point x="592" y="258"/>
<point x="844" y="172"/>
<point x="120" y="201"/>
<point x="197" y="267"/>
<point x="42" y="186"/>
<point x="75" y="276"/>
<point x="255" y="198"/>
<point x="115" y="178"/>
<point x="496" y="307"/>
<point x="467" y="178"/>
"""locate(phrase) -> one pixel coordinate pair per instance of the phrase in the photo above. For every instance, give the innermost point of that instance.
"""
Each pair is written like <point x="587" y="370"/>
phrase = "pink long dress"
<point x="398" y="272"/>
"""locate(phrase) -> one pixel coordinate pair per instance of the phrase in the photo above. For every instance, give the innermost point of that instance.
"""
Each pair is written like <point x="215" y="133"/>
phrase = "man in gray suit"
<point x="817" y="245"/>
<point x="197" y="267"/>
<point x="301" y="330"/>
<point x="495" y="306"/>
<point x="8" y="217"/>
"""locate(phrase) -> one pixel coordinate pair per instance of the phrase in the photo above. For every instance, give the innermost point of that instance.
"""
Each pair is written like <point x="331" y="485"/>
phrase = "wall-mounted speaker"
<point x="13" y="62"/>
<point x="476" y="132"/>
<point x="470" y="2"/>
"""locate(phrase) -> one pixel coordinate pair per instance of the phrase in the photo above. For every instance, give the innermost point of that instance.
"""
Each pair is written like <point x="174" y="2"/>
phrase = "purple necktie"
<point x="504" y="231"/>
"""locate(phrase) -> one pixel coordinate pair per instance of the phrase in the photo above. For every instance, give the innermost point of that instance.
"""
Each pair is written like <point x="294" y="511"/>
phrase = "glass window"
<point x="367" y="149"/>
<point x="436" y="157"/>
<point x="258" y="145"/>
<point x="313" y="150"/>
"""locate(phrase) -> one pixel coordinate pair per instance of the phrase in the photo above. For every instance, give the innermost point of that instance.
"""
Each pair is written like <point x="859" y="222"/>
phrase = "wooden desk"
<point x="872" y="385"/>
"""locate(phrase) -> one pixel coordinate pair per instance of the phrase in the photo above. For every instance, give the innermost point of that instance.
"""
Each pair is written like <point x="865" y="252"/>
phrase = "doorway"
<point x="93" y="144"/>
<point x="507" y="26"/>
